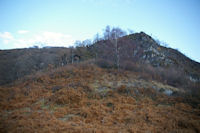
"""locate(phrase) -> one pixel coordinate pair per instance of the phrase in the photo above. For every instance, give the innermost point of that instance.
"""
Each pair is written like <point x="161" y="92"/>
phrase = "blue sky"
<point x="24" y="23"/>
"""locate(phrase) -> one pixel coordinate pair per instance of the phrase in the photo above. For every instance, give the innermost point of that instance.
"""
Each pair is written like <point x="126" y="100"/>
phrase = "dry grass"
<point x="91" y="99"/>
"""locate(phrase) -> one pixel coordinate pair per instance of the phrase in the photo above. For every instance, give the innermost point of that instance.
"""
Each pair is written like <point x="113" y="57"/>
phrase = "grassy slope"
<point x="86" y="98"/>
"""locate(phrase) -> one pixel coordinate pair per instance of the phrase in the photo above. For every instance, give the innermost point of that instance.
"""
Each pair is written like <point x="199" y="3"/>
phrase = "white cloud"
<point x="40" y="39"/>
<point x="23" y="31"/>
<point x="6" y="35"/>
<point x="5" y="41"/>
<point x="52" y="39"/>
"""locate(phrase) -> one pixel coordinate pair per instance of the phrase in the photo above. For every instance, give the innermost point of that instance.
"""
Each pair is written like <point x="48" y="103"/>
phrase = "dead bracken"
<point x="125" y="104"/>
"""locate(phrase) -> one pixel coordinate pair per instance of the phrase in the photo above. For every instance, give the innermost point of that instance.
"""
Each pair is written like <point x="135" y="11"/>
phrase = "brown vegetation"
<point x="86" y="98"/>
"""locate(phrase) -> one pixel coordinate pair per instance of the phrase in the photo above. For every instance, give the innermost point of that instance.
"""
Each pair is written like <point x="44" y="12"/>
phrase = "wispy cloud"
<point x="6" y="38"/>
<point x="23" y="31"/>
<point x="40" y="39"/>
<point x="53" y="39"/>
<point x="5" y="41"/>
<point x="6" y="35"/>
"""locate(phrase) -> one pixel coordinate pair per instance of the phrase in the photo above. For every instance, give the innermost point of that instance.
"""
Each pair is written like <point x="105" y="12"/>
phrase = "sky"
<point x="24" y="23"/>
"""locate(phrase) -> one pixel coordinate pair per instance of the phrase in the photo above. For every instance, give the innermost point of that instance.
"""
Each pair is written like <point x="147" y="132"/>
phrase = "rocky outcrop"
<point x="147" y="50"/>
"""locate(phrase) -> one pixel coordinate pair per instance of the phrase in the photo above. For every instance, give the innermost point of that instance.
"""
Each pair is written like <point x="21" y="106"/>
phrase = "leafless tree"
<point x="96" y="38"/>
<point x="86" y="42"/>
<point x="130" y="31"/>
<point x="78" y="43"/>
<point x="72" y="54"/>
<point x="107" y="33"/>
<point x="116" y="33"/>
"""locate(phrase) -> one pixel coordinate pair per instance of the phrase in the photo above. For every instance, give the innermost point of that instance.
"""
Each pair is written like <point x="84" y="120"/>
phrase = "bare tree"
<point x="94" y="47"/>
<point x="86" y="42"/>
<point x="72" y="54"/>
<point x="130" y="31"/>
<point x="107" y="33"/>
<point x="116" y="33"/>
<point x="117" y="52"/>
<point x="96" y="38"/>
<point x="78" y="43"/>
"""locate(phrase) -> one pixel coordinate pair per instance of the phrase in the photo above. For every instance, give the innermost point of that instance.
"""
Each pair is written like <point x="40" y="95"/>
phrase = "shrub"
<point x="105" y="63"/>
<point x="66" y="96"/>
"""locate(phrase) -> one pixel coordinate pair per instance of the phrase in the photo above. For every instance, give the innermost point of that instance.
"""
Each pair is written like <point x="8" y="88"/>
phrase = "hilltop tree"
<point x="107" y="33"/>
<point x="130" y="31"/>
<point x="116" y="33"/>
<point x="78" y="43"/>
<point x="96" y="38"/>
<point x="86" y="42"/>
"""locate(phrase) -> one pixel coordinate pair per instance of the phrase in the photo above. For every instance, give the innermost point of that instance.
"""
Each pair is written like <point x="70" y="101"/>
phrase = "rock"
<point x="168" y="92"/>
<point x="161" y="90"/>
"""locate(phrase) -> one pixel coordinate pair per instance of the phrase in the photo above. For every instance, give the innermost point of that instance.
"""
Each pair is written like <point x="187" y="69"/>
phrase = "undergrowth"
<point x="86" y="98"/>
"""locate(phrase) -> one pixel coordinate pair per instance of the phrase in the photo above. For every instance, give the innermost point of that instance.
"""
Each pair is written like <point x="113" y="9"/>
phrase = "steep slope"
<point x="165" y="57"/>
<point x="86" y="98"/>
<point x="140" y="47"/>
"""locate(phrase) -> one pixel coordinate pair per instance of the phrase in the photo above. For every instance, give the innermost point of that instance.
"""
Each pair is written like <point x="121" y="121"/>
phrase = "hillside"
<point x="86" y="98"/>
<point x="138" y="48"/>
<point x="17" y="63"/>
<point x="124" y="84"/>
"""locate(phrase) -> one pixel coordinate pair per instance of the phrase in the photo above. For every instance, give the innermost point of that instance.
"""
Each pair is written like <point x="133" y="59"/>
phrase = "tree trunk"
<point x="72" y="55"/>
<point x="117" y="52"/>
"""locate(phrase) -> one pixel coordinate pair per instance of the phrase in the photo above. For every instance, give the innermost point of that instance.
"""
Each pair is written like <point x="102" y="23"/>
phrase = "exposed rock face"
<point x="147" y="50"/>
<point x="150" y="51"/>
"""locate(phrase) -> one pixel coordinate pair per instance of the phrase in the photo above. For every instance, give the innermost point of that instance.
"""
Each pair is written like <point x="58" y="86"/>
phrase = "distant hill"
<point x="17" y="63"/>
<point x="137" y="48"/>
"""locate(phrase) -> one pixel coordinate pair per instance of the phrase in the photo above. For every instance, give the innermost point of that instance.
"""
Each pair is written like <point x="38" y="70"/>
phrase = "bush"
<point x="105" y="63"/>
<point x="171" y="76"/>
<point x="130" y="66"/>
<point x="66" y="96"/>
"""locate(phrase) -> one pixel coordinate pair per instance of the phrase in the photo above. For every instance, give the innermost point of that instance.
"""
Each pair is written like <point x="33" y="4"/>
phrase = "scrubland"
<point x="88" y="99"/>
